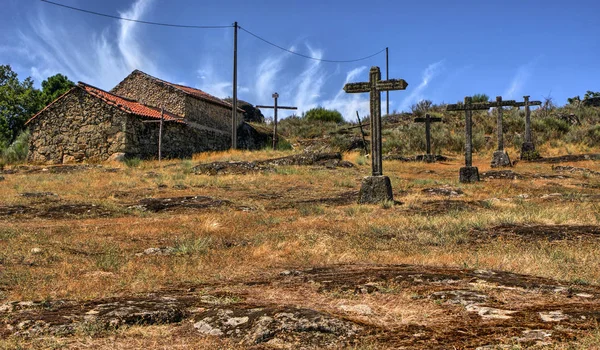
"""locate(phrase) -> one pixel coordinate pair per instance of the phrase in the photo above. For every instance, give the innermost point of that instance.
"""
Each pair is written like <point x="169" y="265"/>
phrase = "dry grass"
<point x="87" y="258"/>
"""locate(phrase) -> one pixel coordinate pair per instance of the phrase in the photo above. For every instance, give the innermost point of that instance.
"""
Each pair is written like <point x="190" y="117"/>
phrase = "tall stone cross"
<point x="469" y="173"/>
<point x="500" y="157"/>
<point x="376" y="188"/>
<point x="528" y="147"/>
<point x="275" y="107"/>
<point x="428" y="120"/>
<point x="374" y="87"/>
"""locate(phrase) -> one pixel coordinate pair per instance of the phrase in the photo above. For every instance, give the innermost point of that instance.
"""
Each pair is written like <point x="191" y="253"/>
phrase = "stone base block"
<point x="469" y="174"/>
<point x="528" y="151"/>
<point x="427" y="158"/>
<point x="375" y="189"/>
<point x="500" y="159"/>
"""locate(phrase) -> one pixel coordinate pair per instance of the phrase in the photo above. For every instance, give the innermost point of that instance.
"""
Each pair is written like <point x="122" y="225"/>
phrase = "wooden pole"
<point x="387" y="77"/>
<point x="275" y="96"/>
<point x="160" y="131"/>
<point x="362" y="133"/>
<point x="234" y="99"/>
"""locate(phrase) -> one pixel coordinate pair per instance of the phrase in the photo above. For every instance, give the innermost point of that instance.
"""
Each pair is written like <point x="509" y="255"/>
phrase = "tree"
<point x="591" y="94"/>
<point x="55" y="86"/>
<point x="18" y="102"/>
<point x="480" y="98"/>
<point x="324" y="115"/>
<point x="421" y="107"/>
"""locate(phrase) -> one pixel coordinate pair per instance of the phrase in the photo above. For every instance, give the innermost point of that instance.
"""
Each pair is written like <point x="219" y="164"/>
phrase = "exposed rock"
<point x="464" y="297"/>
<point x="117" y="157"/>
<point x="490" y="312"/>
<point x="443" y="191"/>
<point x="36" y="250"/>
<point x="568" y="158"/>
<point x="157" y="251"/>
<point x="193" y="202"/>
<point x="553" y="316"/>
<point x="468" y="174"/>
<point x="501" y="174"/>
<point x="38" y="194"/>
<point x="573" y="169"/>
<point x="500" y="159"/>
<point x="359" y="309"/>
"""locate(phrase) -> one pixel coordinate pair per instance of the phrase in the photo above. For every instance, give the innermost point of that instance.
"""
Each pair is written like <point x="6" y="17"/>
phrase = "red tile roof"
<point x="128" y="105"/>
<point x="122" y="103"/>
<point x="193" y="92"/>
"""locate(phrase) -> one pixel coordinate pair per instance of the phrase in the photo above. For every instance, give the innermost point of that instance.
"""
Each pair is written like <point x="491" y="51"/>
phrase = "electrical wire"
<point x="211" y="27"/>
<point x="135" y="20"/>
<point x="306" y="56"/>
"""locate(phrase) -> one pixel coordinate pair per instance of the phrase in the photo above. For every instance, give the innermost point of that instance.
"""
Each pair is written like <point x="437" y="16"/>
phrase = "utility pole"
<point x="387" y="77"/>
<point x="160" y="131"/>
<point x="234" y="99"/>
<point x="275" y="108"/>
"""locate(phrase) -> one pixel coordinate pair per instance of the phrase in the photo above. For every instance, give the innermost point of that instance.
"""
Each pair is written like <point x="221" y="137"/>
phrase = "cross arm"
<point x="472" y="106"/>
<point x="278" y="107"/>
<point x="431" y="120"/>
<point x="391" y="84"/>
<point x="531" y="103"/>
<point x="357" y="87"/>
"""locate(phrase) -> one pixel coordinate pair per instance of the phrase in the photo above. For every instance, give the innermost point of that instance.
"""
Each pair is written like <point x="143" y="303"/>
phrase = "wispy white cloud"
<point x="520" y="79"/>
<point x="309" y="84"/>
<point x="416" y="94"/>
<point x="348" y="104"/>
<point x="101" y="59"/>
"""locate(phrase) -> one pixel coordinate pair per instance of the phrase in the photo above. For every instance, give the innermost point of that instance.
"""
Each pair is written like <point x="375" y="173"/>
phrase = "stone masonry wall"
<point x="178" y="140"/>
<point x="144" y="89"/>
<point x="78" y="127"/>
<point x="210" y="114"/>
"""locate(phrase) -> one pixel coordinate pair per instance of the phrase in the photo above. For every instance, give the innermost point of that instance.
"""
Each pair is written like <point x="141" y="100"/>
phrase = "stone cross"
<point x="500" y="158"/>
<point x="275" y="108"/>
<point x="376" y="188"/>
<point x="469" y="173"/>
<point x="428" y="120"/>
<point x="528" y="146"/>
<point x="374" y="87"/>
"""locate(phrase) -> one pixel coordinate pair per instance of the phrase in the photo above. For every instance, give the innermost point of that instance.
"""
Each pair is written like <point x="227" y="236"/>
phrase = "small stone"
<point x="490" y="312"/>
<point x="360" y="309"/>
<point x="236" y="321"/>
<point x="500" y="159"/>
<point x="1" y="178"/>
<point x="553" y="316"/>
<point x="117" y="157"/>
<point x="523" y="196"/>
<point x="205" y="328"/>
<point x="36" y="250"/>
<point x="584" y="295"/>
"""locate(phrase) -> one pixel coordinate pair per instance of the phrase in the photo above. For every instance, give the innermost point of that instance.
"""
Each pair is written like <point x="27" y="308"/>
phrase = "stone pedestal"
<point x="500" y="159"/>
<point x="469" y="174"/>
<point x="427" y="158"/>
<point x="375" y="189"/>
<point x="528" y="151"/>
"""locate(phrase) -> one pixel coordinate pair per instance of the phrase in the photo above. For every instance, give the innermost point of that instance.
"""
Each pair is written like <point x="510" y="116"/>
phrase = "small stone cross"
<point x="528" y="146"/>
<point x="275" y="107"/>
<point x="428" y="120"/>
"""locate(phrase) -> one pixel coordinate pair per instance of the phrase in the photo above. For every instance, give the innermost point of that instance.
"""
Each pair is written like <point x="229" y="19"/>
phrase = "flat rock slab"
<point x="418" y="158"/>
<point x="56" y="169"/>
<point x="328" y="160"/>
<point x="572" y="169"/>
<point x="568" y="158"/>
<point x="57" y="211"/>
<point x="339" y="306"/>
<point x="173" y="203"/>
<point x="440" y="207"/>
<point x="511" y="175"/>
<point x="538" y="232"/>
<point x="443" y="191"/>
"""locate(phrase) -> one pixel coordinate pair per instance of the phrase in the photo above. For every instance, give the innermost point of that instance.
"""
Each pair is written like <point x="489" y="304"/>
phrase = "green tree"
<point x="480" y="98"/>
<point x="591" y="94"/>
<point x="18" y="102"/>
<point x="55" y="86"/>
<point x="324" y="115"/>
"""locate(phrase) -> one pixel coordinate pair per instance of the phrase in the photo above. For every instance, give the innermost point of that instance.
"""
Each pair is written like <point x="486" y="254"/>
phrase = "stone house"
<point x="90" y="124"/>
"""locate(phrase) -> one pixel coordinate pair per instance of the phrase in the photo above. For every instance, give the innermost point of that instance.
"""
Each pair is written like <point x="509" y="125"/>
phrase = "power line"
<point x="306" y="56"/>
<point x="134" y="20"/>
<point x="209" y="27"/>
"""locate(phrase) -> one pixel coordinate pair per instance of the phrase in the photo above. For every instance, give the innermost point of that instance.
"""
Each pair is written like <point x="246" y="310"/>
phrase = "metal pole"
<point x="234" y="99"/>
<point x="160" y="131"/>
<point x="275" y="96"/>
<point x="387" y="77"/>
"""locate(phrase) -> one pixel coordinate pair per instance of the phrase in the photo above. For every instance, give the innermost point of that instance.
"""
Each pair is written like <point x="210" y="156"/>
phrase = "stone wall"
<point x="147" y="90"/>
<point x="210" y="114"/>
<point x="178" y="140"/>
<point x="77" y="127"/>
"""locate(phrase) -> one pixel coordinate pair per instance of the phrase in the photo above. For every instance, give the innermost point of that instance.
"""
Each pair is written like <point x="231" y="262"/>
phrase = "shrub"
<point x="17" y="151"/>
<point x="133" y="162"/>
<point x="324" y="115"/>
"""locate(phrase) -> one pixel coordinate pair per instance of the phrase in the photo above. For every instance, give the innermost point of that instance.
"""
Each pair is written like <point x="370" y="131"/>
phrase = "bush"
<point x="324" y="115"/>
<point x="17" y="151"/>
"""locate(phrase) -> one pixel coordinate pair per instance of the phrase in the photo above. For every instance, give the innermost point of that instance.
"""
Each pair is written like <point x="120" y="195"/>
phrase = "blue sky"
<point x="443" y="49"/>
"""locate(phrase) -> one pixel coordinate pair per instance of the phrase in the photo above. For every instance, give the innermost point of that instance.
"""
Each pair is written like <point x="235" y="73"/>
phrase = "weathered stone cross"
<point x="377" y="187"/>
<point x="428" y="120"/>
<point x="528" y="147"/>
<point x="275" y="108"/>
<point x="469" y="173"/>
<point x="500" y="158"/>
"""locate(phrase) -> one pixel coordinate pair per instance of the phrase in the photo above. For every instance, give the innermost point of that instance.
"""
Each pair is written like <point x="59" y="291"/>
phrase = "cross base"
<point x="468" y="174"/>
<point x="528" y="151"/>
<point x="375" y="189"/>
<point x="500" y="159"/>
